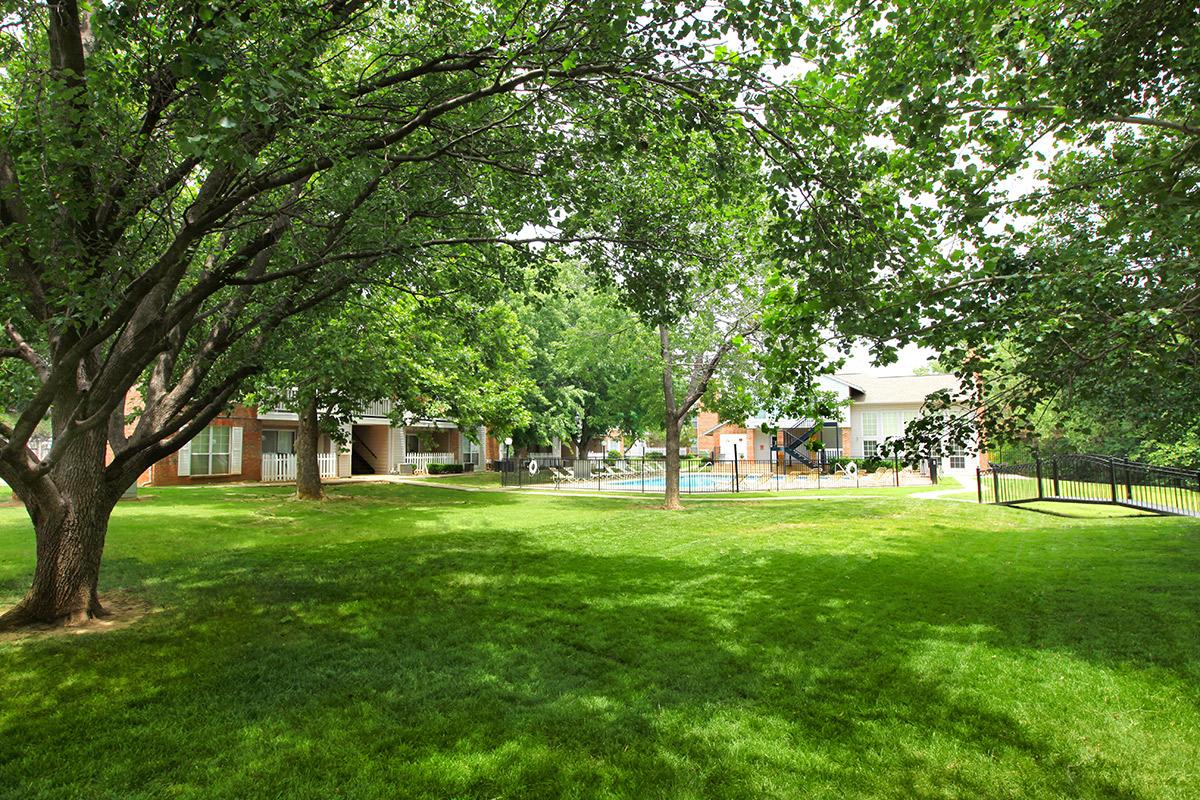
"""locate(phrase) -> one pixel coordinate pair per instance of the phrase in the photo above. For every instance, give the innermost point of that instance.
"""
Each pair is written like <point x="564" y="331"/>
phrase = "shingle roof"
<point x="898" y="388"/>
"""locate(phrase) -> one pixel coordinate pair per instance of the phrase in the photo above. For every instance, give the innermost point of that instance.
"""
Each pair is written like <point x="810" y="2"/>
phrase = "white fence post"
<point x="420" y="461"/>
<point x="281" y="467"/>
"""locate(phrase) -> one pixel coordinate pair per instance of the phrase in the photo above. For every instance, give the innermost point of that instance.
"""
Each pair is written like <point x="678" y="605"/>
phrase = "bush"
<point x="864" y="464"/>
<point x="656" y="456"/>
<point x="445" y="469"/>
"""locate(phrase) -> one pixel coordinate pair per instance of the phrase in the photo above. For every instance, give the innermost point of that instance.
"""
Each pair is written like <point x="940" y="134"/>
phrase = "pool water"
<point x="687" y="482"/>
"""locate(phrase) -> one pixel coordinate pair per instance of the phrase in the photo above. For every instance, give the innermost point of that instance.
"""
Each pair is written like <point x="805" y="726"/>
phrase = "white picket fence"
<point x="282" y="466"/>
<point x="420" y="461"/>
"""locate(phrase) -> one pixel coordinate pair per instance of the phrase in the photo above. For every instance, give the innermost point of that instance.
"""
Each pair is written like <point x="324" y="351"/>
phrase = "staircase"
<point x="797" y="446"/>
<point x="359" y="463"/>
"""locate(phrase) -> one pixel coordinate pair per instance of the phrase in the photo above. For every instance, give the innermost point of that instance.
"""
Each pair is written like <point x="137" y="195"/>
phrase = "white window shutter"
<point x="235" y="450"/>
<point x="185" y="460"/>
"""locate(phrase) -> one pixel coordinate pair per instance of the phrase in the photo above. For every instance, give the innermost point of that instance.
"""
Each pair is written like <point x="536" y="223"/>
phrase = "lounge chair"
<point x="610" y="471"/>
<point x="562" y="476"/>
<point x="757" y="482"/>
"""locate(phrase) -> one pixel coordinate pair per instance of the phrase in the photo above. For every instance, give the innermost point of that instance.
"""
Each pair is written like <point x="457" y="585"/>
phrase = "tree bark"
<point x="671" y="423"/>
<point x="71" y="524"/>
<point x="308" y="469"/>
<point x="671" y="501"/>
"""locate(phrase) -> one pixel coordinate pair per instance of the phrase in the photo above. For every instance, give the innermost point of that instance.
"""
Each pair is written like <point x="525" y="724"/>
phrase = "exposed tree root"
<point x="122" y="610"/>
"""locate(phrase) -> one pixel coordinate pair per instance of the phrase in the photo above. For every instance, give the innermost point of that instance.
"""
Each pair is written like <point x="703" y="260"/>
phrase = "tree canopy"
<point x="592" y="367"/>
<point x="1048" y="153"/>
<point x="177" y="181"/>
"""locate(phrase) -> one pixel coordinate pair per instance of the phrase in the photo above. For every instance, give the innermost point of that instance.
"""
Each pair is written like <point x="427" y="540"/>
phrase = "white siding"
<point x="894" y="416"/>
<point x="398" y="447"/>
<point x="235" y="450"/>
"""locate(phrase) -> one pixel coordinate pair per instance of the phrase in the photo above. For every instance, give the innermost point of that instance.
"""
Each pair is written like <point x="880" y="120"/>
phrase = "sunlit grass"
<point x="480" y="479"/>
<point x="413" y="642"/>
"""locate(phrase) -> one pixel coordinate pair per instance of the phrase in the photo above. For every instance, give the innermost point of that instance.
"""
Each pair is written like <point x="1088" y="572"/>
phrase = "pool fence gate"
<point x="701" y="475"/>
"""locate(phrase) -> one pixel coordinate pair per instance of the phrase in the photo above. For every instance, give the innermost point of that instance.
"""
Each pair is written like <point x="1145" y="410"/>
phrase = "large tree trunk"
<point x="308" y="470"/>
<point x="70" y="514"/>
<point x="671" y="491"/>
<point x="671" y="501"/>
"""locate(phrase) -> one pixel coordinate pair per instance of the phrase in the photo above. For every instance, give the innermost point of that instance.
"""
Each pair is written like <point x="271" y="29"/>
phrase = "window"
<point x="412" y="443"/>
<point x="881" y="426"/>
<point x="210" y="451"/>
<point x="958" y="458"/>
<point x="279" y="442"/>
<point x="870" y="424"/>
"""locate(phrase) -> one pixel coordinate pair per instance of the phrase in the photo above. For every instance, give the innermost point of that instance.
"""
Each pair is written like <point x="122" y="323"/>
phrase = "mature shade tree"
<point x="431" y="356"/>
<point x="703" y="289"/>
<point x="178" y="180"/>
<point x="593" y="366"/>
<point x="1094" y="315"/>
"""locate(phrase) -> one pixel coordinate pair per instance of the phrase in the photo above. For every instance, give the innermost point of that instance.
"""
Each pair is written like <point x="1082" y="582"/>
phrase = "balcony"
<point x="379" y="408"/>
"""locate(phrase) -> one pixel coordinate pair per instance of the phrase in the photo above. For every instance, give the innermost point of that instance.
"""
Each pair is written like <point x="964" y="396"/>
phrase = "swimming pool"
<point x="699" y="483"/>
<point x="689" y="483"/>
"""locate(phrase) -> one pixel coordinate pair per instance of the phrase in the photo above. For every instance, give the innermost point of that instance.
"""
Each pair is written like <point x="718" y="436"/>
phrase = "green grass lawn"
<point x="406" y="641"/>
<point x="487" y="480"/>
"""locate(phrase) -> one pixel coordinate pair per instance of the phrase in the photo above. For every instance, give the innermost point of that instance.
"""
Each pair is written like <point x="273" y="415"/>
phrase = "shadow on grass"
<point x="500" y="661"/>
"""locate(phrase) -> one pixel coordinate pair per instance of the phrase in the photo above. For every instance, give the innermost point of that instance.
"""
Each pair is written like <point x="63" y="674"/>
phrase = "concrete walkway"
<point x="591" y="494"/>
<point x="938" y="494"/>
<point x="407" y="481"/>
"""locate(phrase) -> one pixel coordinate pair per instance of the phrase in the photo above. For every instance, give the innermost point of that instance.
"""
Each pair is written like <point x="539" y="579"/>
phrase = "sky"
<point x="911" y="357"/>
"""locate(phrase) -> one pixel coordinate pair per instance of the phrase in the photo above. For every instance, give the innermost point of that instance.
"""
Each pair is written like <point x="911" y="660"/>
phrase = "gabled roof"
<point x="897" y="388"/>
<point x="846" y="380"/>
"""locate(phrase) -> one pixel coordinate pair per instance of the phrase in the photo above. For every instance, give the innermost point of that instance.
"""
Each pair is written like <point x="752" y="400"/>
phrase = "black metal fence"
<point x="696" y="476"/>
<point x="1093" y="479"/>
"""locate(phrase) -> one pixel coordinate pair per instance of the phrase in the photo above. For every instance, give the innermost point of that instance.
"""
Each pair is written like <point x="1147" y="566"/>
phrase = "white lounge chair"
<point x="608" y="471"/>
<point x="562" y="476"/>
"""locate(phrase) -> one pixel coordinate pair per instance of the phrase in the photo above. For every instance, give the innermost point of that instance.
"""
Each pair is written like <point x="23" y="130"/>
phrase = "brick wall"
<point x="166" y="471"/>
<point x="711" y="442"/>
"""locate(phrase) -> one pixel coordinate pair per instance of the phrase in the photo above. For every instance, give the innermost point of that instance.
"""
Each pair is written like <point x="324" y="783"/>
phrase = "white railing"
<point x="420" y="461"/>
<point x="282" y="466"/>
<point x="285" y="406"/>
<point x="379" y="408"/>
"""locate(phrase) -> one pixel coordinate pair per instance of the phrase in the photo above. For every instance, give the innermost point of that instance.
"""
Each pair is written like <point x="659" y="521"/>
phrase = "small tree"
<point x="710" y="285"/>
<point x="415" y="352"/>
